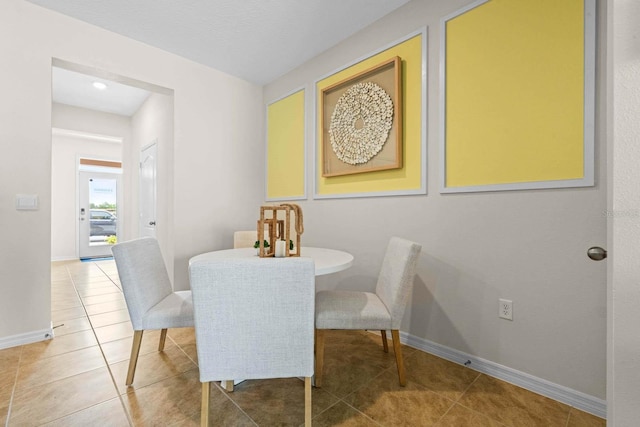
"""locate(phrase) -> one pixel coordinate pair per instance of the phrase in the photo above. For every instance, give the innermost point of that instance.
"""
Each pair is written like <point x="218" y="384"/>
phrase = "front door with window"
<point x="98" y="213"/>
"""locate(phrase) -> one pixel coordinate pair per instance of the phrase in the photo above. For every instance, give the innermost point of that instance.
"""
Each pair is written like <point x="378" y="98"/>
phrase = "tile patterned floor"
<point x="77" y="379"/>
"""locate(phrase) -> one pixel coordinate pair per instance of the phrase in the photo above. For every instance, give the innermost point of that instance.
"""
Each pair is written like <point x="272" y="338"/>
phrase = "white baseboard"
<point x="26" y="338"/>
<point x="577" y="399"/>
<point x="64" y="258"/>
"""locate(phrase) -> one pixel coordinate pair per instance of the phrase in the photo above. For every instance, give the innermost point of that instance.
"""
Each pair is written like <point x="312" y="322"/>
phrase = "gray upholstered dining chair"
<point x="254" y="320"/>
<point x="151" y="301"/>
<point x="382" y="310"/>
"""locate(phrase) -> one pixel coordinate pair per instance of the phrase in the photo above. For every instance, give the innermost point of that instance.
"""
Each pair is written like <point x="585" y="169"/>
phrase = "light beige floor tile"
<point x="512" y="405"/>
<point x="105" y="307"/>
<point x="98" y="299"/>
<point x="59" y="316"/>
<point x="63" y="344"/>
<point x="110" y="289"/>
<point x="108" y="414"/>
<point x="110" y="318"/>
<point x="65" y="303"/>
<point x="58" y="367"/>
<point x="114" y="332"/>
<point x="120" y="350"/>
<point x="38" y="405"/>
<point x="71" y="326"/>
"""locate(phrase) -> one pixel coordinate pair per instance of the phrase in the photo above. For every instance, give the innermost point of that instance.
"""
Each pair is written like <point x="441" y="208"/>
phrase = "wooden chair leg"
<point x="307" y="401"/>
<point x="395" y="335"/>
<point x="163" y="337"/>
<point x="133" y="360"/>
<point x="228" y="385"/>
<point x="204" y="406"/>
<point x="385" y="345"/>
<point x="319" y="356"/>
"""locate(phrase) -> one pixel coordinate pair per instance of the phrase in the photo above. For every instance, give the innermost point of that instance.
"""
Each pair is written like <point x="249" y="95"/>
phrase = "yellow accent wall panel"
<point x="515" y="95"/>
<point x="285" y="148"/>
<point x="410" y="179"/>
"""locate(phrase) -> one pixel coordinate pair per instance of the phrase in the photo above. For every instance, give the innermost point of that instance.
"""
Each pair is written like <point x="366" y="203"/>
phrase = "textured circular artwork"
<point x="360" y="123"/>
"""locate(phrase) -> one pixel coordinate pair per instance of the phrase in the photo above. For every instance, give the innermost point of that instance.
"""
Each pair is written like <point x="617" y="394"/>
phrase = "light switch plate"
<point x="26" y="202"/>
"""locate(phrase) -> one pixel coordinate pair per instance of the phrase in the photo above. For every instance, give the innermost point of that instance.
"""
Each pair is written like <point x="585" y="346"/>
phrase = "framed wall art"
<point x="286" y="153"/>
<point x="362" y="121"/>
<point x="402" y="168"/>
<point x="517" y="96"/>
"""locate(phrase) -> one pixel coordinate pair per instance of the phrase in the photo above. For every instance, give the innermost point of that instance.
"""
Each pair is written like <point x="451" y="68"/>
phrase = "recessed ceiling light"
<point x="99" y="85"/>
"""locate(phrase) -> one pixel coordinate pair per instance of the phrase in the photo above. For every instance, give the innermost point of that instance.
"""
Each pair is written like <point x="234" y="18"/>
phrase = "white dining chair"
<point x="254" y="320"/>
<point x="382" y="310"/>
<point x="151" y="301"/>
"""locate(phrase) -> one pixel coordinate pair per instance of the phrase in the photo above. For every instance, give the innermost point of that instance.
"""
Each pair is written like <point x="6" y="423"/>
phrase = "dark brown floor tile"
<point x="439" y="375"/>
<point x="10" y="355"/>
<point x="264" y="400"/>
<point x="151" y="368"/>
<point x="63" y="344"/>
<point x="343" y="415"/>
<point x="176" y="401"/>
<point x="119" y="350"/>
<point x="111" y="318"/>
<point x="70" y="326"/>
<point x="59" y="316"/>
<point x="459" y="416"/>
<point x="579" y="418"/>
<point x="341" y="379"/>
<point x="386" y="402"/>
<point x="513" y="405"/>
<point x="105" y="307"/>
<point x="108" y="414"/>
<point x="8" y="373"/>
<point x="185" y="338"/>
<point x="49" y="402"/>
<point x="58" y="367"/>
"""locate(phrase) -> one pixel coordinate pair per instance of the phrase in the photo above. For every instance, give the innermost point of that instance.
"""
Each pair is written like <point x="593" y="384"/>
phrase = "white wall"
<point x="527" y="246"/>
<point x="64" y="167"/>
<point x="218" y="125"/>
<point x="624" y="206"/>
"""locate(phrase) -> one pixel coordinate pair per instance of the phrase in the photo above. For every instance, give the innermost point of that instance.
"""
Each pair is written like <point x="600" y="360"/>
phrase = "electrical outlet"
<point x="505" y="309"/>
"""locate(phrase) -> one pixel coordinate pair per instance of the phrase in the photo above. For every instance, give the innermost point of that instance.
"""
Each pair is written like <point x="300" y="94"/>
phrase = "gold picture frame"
<point x="363" y="144"/>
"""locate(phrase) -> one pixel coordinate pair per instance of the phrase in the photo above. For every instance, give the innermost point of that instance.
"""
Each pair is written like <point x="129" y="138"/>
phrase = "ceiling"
<point x="256" y="40"/>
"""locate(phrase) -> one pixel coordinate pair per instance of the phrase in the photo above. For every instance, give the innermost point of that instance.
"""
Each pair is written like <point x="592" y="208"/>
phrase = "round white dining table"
<point x="326" y="260"/>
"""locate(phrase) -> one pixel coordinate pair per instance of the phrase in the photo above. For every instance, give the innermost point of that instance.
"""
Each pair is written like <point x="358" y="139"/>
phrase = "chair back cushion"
<point x="143" y="275"/>
<point x="395" y="280"/>
<point x="254" y="317"/>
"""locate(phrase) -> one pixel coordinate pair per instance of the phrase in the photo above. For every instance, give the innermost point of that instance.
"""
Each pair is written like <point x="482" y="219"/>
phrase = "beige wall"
<point x="527" y="246"/>
<point x="218" y="125"/>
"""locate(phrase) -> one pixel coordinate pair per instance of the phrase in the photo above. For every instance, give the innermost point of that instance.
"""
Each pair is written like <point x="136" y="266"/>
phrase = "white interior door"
<point x="98" y="203"/>
<point x="148" y="157"/>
